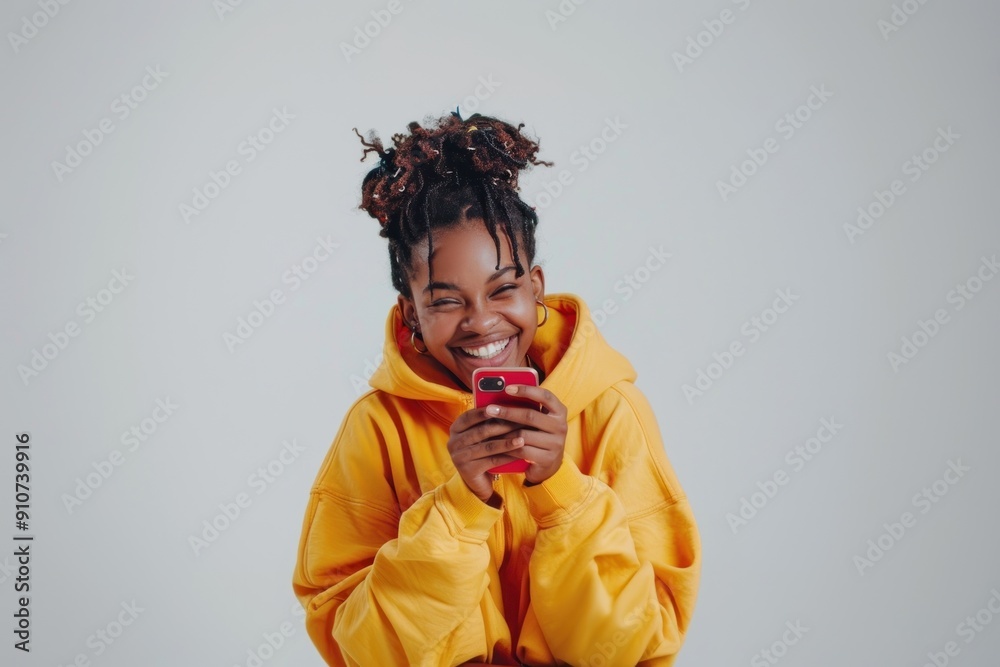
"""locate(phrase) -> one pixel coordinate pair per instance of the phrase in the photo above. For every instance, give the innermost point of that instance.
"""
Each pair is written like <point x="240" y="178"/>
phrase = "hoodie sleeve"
<point x="617" y="551"/>
<point x="380" y="587"/>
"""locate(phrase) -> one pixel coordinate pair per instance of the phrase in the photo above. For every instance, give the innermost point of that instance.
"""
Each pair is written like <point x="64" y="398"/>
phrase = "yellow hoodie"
<point x="399" y="563"/>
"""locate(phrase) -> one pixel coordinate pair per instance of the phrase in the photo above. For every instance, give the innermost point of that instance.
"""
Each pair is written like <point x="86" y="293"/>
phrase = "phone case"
<point x="484" y="397"/>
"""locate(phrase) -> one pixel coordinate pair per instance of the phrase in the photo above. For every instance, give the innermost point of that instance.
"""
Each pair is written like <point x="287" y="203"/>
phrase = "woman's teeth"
<point x="487" y="351"/>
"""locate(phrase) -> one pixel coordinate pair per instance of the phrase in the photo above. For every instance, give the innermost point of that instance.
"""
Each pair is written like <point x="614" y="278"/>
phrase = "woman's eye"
<point x="506" y="288"/>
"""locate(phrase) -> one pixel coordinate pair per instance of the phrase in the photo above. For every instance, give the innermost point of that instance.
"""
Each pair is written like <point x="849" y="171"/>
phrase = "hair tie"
<point x="386" y="160"/>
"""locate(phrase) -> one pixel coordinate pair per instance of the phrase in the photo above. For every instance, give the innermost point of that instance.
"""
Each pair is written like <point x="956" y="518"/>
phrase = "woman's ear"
<point x="537" y="282"/>
<point x="409" y="312"/>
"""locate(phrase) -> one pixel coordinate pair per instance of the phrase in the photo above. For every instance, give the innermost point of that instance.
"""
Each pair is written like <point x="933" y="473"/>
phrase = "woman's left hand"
<point x="544" y="434"/>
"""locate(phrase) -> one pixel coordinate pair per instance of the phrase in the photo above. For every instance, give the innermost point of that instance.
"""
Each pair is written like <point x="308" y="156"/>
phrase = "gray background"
<point x="655" y="185"/>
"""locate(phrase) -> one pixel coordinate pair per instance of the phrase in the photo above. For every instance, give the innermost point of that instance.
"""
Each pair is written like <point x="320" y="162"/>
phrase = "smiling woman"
<point x="411" y="552"/>
<point x="471" y="315"/>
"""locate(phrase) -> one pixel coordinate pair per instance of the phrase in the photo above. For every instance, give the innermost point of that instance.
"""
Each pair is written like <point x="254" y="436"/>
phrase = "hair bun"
<point x="449" y="150"/>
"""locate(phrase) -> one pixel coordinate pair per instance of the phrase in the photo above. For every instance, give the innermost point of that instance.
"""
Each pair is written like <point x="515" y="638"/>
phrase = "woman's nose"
<point x="479" y="319"/>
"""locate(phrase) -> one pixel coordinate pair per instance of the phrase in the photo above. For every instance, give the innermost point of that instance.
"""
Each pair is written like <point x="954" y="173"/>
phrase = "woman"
<point x="411" y="552"/>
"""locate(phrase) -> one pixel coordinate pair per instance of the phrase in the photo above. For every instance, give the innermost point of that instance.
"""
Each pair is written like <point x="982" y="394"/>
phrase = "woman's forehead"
<point x="462" y="248"/>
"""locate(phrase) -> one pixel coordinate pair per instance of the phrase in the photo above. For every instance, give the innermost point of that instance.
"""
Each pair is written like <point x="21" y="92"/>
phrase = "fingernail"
<point x="512" y="389"/>
<point x="493" y="410"/>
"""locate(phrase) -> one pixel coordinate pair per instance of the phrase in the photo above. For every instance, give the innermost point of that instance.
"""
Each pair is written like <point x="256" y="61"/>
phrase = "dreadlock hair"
<point x="450" y="172"/>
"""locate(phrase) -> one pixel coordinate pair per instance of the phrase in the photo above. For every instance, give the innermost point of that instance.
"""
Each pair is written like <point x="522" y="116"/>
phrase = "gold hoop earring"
<point x="413" y="342"/>
<point x="546" y="318"/>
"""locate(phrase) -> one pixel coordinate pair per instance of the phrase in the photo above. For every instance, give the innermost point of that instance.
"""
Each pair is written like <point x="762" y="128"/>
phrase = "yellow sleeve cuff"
<point x="466" y="514"/>
<point x="558" y="498"/>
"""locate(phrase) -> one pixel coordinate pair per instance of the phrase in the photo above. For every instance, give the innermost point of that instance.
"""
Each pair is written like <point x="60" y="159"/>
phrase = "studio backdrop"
<point x="783" y="213"/>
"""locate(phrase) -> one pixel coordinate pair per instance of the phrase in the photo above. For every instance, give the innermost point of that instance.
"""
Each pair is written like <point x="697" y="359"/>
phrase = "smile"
<point x="487" y="351"/>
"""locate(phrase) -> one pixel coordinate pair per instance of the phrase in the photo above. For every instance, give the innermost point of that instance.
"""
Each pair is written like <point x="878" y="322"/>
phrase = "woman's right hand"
<point x="476" y="444"/>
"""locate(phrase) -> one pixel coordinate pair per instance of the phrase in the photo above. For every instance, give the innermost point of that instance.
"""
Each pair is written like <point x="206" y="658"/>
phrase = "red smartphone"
<point x="488" y="389"/>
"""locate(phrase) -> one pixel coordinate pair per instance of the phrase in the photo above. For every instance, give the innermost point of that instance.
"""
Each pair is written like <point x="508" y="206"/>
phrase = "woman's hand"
<point x="476" y="445"/>
<point x="544" y="433"/>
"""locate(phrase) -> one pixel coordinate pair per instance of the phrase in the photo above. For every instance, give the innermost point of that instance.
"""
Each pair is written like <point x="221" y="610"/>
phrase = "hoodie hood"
<point x="578" y="363"/>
